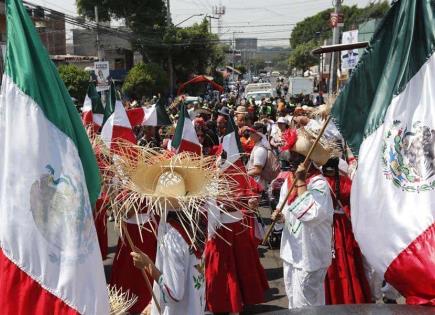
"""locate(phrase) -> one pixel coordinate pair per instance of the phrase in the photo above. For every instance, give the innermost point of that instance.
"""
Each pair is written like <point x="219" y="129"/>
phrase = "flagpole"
<point x="147" y="281"/>
<point x="305" y="164"/>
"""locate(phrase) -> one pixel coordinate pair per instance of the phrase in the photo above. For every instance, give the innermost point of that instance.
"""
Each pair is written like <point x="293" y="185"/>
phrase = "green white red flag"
<point x="386" y="114"/>
<point x="154" y="115"/>
<point x="116" y="126"/>
<point x="50" y="258"/>
<point x="185" y="138"/>
<point x="93" y="109"/>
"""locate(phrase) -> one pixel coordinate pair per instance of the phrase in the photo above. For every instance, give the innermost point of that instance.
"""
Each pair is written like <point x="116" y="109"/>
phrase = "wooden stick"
<point x="147" y="281"/>
<point x="305" y="164"/>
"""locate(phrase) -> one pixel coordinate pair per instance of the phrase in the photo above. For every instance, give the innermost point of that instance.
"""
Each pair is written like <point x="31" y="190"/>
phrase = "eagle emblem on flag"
<point x="61" y="215"/>
<point x="409" y="156"/>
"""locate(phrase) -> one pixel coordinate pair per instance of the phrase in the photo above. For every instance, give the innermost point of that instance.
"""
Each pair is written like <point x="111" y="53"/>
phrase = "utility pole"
<point x="336" y="24"/>
<point x="209" y="23"/>
<point x="170" y="66"/>
<point x="100" y="58"/>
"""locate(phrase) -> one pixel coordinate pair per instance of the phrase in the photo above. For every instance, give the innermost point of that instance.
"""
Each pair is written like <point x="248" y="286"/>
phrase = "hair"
<point x="259" y="126"/>
<point x="200" y="227"/>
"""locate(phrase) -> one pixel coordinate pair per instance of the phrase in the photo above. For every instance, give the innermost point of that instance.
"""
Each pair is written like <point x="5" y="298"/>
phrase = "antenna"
<point x="219" y="11"/>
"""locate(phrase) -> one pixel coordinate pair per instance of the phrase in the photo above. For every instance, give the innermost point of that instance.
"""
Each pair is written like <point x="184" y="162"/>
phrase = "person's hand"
<point x="140" y="259"/>
<point x="301" y="173"/>
<point x="277" y="216"/>
<point x="147" y="310"/>
<point x="253" y="203"/>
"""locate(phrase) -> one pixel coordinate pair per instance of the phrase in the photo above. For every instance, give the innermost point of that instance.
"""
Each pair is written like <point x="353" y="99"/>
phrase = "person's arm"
<point x="259" y="161"/>
<point x="255" y="170"/>
<point x="142" y="261"/>
<point x="172" y="278"/>
<point x="282" y="199"/>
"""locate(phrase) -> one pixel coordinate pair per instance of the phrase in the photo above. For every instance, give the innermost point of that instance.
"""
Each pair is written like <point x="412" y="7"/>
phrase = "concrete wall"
<point x="117" y="50"/>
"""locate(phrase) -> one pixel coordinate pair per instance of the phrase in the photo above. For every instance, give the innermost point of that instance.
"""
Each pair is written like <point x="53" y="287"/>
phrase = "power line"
<point x="260" y="25"/>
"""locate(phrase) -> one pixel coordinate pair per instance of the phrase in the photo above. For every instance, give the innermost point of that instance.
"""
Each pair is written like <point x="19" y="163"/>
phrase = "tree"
<point x="76" y="81"/>
<point x="145" y="80"/>
<point x="317" y="27"/>
<point x="242" y="69"/>
<point x="194" y="50"/>
<point x="301" y="57"/>
<point x="145" y="18"/>
<point x="312" y="31"/>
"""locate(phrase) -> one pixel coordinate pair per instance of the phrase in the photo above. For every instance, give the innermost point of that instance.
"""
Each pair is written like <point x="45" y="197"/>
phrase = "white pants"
<point x="304" y="288"/>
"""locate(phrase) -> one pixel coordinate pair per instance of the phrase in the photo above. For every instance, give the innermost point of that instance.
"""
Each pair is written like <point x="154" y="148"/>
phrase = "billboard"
<point x="102" y="72"/>
<point x="349" y="58"/>
<point x="246" y="44"/>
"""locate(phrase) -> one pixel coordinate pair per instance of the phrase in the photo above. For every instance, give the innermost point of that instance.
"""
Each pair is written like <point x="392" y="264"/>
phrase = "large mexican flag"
<point x="387" y="115"/>
<point x="50" y="262"/>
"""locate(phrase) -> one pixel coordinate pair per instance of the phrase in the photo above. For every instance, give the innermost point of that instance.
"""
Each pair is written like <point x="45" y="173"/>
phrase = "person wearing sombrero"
<point x="179" y="189"/>
<point x="306" y="238"/>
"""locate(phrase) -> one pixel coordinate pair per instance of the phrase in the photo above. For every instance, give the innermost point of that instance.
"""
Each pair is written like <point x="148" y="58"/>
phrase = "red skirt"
<point x="251" y="221"/>
<point x="345" y="281"/>
<point x="234" y="274"/>
<point x="101" y="226"/>
<point x="125" y="275"/>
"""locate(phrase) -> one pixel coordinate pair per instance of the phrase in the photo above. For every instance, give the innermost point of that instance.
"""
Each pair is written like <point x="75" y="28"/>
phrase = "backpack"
<point x="271" y="168"/>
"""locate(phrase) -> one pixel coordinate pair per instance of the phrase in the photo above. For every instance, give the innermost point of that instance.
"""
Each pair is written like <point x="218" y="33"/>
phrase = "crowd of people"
<point x="322" y="263"/>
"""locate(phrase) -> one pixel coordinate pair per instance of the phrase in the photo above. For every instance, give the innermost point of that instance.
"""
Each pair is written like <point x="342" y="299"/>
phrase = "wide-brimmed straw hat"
<point x="301" y="141"/>
<point x="163" y="181"/>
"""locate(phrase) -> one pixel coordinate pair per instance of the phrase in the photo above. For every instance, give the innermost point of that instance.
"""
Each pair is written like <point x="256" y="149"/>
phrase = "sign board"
<point x="349" y="58"/>
<point x="102" y="72"/>
<point x="336" y="19"/>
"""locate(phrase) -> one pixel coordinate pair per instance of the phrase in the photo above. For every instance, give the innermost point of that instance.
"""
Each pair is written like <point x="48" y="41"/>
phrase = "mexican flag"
<point x="232" y="147"/>
<point x="386" y="114"/>
<point x="49" y="256"/>
<point x="185" y="138"/>
<point x="154" y="116"/>
<point x="116" y="123"/>
<point x="93" y="109"/>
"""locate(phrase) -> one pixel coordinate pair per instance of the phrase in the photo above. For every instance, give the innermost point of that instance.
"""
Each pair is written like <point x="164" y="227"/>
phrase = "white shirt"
<point x="307" y="236"/>
<point x="181" y="287"/>
<point x="258" y="157"/>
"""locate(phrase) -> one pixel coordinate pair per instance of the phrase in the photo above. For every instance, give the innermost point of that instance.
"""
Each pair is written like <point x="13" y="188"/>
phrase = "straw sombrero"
<point x="163" y="181"/>
<point x="301" y="141"/>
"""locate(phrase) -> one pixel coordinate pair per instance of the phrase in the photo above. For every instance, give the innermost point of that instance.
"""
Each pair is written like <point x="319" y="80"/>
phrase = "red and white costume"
<point x="234" y="274"/>
<point x="181" y="287"/>
<point x="124" y="274"/>
<point x="306" y="242"/>
<point x="345" y="281"/>
<point x="100" y="220"/>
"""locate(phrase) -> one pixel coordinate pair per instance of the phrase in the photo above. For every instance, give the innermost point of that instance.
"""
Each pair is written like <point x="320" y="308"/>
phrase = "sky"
<point x="270" y="21"/>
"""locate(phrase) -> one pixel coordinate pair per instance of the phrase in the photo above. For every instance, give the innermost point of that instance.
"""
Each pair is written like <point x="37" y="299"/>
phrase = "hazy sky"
<point x="241" y="15"/>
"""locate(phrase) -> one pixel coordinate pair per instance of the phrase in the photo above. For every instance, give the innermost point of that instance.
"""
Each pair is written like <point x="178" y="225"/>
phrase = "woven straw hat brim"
<point x="321" y="153"/>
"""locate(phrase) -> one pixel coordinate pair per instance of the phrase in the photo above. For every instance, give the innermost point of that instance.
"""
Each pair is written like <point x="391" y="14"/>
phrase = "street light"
<point x="189" y="18"/>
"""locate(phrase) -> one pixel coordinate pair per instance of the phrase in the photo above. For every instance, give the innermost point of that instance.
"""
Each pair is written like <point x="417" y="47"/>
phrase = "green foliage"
<point x="146" y="19"/>
<point x="194" y="50"/>
<point x="241" y="68"/>
<point x="301" y="57"/>
<point x="315" y="29"/>
<point x="145" y="80"/>
<point x="76" y="80"/>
